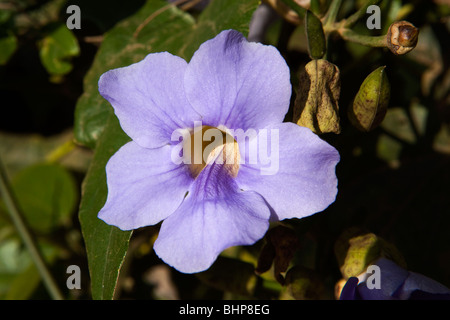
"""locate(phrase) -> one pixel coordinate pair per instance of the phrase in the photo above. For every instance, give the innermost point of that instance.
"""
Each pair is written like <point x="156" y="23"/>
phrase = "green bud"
<point x="316" y="106"/>
<point x="371" y="102"/>
<point x="315" y="35"/>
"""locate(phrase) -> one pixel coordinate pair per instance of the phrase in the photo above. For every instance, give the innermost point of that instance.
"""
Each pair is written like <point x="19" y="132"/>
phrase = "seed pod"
<point x="402" y="37"/>
<point x="316" y="106"/>
<point x="371" y="102"/>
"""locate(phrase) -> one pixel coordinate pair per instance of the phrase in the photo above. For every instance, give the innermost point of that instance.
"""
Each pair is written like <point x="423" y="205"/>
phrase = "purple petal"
<point x="299" y="178"/>
<point x="239" y="84"/>
<point x="392" y="278"/>
<point x="397" y="283"/>
<point x="148" y="98"/>
<point x="214" y="216"/>
<point x="144" y="186"/>
<point x="349" y="292"/>
<point x="418" y="282"/>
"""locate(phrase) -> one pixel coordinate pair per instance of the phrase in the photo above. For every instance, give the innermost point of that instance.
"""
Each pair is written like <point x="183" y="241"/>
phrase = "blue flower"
<point x="396" y="283"/>
<point x="236" y="90"/>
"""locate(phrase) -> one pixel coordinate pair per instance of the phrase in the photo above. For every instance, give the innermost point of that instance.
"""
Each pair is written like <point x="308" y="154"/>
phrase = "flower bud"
<point x="402" y="37"/>
<point x="371" y="102"/>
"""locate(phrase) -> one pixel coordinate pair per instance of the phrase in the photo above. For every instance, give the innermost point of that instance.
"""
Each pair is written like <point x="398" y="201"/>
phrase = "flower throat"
<point x="207" y="145"/>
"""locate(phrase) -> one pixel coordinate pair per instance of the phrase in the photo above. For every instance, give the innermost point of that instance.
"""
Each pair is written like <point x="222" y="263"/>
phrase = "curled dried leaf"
<point x="279" y="249"/>
<point x="316" y="106"/>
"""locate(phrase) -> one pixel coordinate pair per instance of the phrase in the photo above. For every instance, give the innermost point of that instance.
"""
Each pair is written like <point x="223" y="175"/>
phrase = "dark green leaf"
<point x="106" y="245"/>
<point x="315" y="35"/>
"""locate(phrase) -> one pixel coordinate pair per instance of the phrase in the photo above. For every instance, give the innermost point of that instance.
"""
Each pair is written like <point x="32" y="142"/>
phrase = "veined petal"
<point x="239" y="84"/>
<point x="294" y="170"/>
<point x="215" y="215"/>
<point x="148" y="98"/>
<point x="144" y="186"/>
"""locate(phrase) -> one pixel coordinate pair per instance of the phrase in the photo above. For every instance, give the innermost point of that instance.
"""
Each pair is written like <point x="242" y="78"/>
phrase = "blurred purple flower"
<point x="229" y="83"/>
<point x="396" y="283"/>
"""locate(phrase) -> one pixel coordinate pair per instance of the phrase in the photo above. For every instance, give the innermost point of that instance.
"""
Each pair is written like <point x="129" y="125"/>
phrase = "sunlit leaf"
<point x="57" y="48"/>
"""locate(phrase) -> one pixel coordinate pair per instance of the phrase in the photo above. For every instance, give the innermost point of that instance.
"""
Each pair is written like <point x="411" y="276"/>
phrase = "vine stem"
<point x="331" y="15"/>
<point x="26" y="235"/>
<point x="350" y="35"/>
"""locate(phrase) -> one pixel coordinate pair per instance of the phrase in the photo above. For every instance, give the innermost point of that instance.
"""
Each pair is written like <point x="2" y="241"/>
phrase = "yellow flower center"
<point x="208" y="145"/>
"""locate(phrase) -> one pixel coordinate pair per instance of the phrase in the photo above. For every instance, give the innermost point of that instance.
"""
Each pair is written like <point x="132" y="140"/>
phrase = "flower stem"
<point x="27" y="237"/>
<point x="350" y="35"/>
<point x="60" y="151"/>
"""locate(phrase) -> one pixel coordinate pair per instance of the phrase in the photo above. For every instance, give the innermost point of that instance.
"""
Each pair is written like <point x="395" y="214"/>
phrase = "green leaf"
<point x="106" y="245"/>
<point x="8" y="45"/>
<point x="47" y="195"/>
<point x="389" y="150"/>
<point x="315" y="35"/>
<point x="25" y="283"/>
<point x="19" y="276"/>
<point x="57" y="48"/>
<point x="171" y="30"/>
